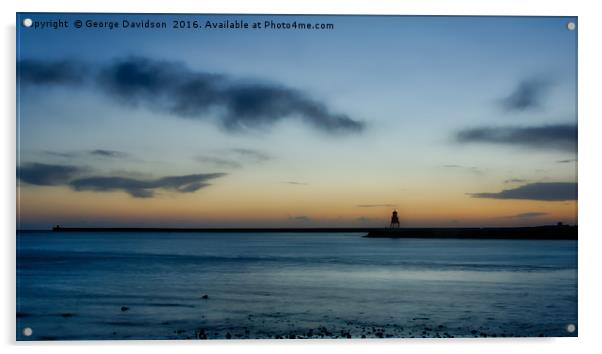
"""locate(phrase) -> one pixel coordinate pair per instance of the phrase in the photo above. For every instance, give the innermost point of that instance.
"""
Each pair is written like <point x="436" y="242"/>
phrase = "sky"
<point x="452" y="121"/>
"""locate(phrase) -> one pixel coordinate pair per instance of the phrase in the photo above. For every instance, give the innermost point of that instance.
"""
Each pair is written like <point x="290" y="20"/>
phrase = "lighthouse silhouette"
<point x="394" y="220"/>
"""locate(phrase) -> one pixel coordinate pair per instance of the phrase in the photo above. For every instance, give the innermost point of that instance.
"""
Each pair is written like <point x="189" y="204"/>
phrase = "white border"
<point x="589" y="171"/>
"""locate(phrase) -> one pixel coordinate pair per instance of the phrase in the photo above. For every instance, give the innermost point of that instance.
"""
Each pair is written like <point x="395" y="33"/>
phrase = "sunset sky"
<point x="453" y="121"/>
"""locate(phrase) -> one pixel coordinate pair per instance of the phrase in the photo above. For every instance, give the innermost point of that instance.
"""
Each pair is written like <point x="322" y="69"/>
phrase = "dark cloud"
<point x="41" y="174"/>
<point x="515" y="180"/>
<point x="108" y="153"/>
<point x="54" y="175"/>
<point x="557" y="136"/>
<point x="144" y="188"/>
<point x="527" y="95"/>
<point x="173" y="87"/>
<point x="60" y="72"/>
<point x="376" y="206"/>
<point x="531" y="214"/>
<point x="257" y="105"/>
<point x="553" y="191"/>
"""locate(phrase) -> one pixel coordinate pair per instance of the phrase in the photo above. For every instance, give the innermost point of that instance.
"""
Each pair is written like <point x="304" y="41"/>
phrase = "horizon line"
<point x="58" y="228"/>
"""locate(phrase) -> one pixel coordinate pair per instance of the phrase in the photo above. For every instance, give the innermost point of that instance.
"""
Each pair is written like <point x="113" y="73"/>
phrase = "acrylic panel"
<point x="207" y="176"/>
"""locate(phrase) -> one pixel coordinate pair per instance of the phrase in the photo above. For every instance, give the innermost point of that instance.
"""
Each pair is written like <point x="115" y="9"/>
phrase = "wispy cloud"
<point x="296" y="183"/>
<point x="471" y="169"/>
<point x="567" y="161"/>
<point x="557" y="136"/>
<point x="234" y="158"/>
<point x="553" y="191"/>
<point x="73" y="176"/>
<point x="515" y="180"/>
<point x="376" y="205"/>
<point x="527" y="95"/>
<point x="365" y="219"/>
<point x="173" y="87"/>
<point x="144" y="188"/>
<point x="251" y="154"/>
<point x="65" y="155"/>
<point x="104" y="153"/>
<point x="527" y="215"/>
<point x="219" y="162"/>
<point x="301" y="218"/>
<point x="108" y="153"/>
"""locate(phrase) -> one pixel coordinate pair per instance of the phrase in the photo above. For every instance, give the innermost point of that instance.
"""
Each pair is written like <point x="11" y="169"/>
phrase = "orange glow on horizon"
<point x="280" y="208"/>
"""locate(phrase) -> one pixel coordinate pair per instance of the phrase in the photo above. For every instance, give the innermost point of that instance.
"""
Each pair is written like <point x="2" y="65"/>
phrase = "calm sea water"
<point x="318" y="285"/>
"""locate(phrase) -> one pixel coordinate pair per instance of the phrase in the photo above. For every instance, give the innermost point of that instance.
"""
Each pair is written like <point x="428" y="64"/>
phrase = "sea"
<point x="124" y="286"/>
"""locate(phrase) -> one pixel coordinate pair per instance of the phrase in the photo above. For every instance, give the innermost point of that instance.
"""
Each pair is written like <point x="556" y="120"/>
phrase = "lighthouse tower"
<point x="394" y="220"/>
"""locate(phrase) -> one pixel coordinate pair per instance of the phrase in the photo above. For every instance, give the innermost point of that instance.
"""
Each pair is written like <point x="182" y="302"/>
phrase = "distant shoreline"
<point x="559" y="232"/>
<point x="548" y="232"/>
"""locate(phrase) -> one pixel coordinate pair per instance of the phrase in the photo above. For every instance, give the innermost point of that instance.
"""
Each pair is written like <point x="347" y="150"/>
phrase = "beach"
<point x="78" y="286"/>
